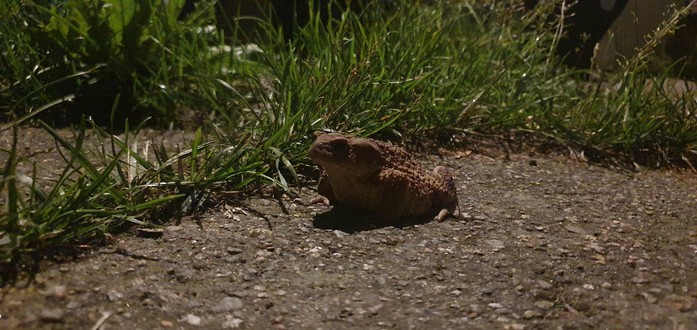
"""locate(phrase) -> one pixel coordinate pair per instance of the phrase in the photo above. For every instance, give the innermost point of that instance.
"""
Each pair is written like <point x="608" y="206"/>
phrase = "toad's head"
<point x="340" y="154"/>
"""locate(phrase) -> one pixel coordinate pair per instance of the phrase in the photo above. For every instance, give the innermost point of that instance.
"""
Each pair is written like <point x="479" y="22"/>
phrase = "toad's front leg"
<point x="324" y="189"/>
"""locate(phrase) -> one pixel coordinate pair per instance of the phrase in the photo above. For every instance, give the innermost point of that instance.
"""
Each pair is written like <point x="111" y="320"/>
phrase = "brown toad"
<point x="381" y="178"/>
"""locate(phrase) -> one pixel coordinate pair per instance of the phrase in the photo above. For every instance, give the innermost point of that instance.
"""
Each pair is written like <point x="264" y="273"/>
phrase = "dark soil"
<point x="545" y="242"/>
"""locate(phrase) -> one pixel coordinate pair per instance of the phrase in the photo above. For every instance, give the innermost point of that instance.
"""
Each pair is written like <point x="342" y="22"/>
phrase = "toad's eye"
<point x="341" y="146"/>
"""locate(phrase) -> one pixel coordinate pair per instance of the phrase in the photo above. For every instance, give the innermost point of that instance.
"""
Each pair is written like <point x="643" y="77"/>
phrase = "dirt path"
<point x="546" y="243"/>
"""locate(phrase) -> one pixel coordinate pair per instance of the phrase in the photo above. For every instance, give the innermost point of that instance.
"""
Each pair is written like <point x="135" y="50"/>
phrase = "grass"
<point x="458" y="67"/>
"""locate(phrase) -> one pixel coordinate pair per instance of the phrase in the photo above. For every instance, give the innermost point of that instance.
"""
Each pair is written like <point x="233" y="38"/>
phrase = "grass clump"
<point x="77" y="57"/>
<point x="459" y="67"/>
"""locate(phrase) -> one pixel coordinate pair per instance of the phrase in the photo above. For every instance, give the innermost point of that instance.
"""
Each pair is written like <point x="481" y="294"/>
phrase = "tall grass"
<point x="460" y="67"/>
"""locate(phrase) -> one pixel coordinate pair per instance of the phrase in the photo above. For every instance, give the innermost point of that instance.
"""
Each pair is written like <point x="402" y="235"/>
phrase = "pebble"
<point x="166" y="324"/>
<point x="496" y="245"/>
<point x="575" y="229"/>
<point x="494" y="305"/>
<point x="517" y="326"/>
<point x="475" y="308"/>
<point x="503" y="319"/>
<point x="544" y="304"/>
<point x="530" y="313"/>
<point x="232" y="323"/>
<point x="52" y="315"/>
<point x="544" y="284"/>
<point x="374" y="310"/>
<point x="58" y="292"/>
<point x="597" y="248"/>
<point x="480" y="217"/>
<point x="228" y="304"/>
<point x="639" y="280"/>
<point x="191" y="319"/>
<point x="173" y="228"/>
<point x="114" y="295"/>
<point x="649" y="297"/>
<point x="184" y="275"/>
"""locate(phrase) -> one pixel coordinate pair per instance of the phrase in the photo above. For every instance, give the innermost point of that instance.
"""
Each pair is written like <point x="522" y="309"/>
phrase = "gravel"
<point x="556" y="245"/>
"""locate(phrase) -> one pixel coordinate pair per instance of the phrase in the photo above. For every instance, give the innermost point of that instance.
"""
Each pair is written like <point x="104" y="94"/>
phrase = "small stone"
<point x="495" y="305"/>
<point x="228" y="304"/>
<point x="232" y="323"/>
<point x="474" y="308"/>
<point x="544" y="284"/>
<point x="58" y="292"/>
<point x="52" y="315"/>
<point x="597" y="248"/>
<point x="517" y="326"/>
<point x="503" y="319"/>
<point x="530" y="313"/>
<point x="649" y="297"/>
<point x="544" y="304"/>
<point x="575" y="229"/>
<point x="281" y="293"/>
<point x="259" y="288"/>
<point x="496" y="244"/>
<point x="184" y="275"/>
<point x="233" y="251"/>
<point x="114" y="295"/>
<point x="375" y="309"/>
<point x="639" y="280"/>
<point x="172" y="229"/>
<point x="166" y="324"/>
<point x="64" y="269"/>
<point x="191" y="319"/>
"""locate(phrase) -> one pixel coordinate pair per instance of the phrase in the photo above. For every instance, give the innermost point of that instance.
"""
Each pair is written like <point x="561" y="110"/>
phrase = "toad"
<point x="383" y="179"/>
